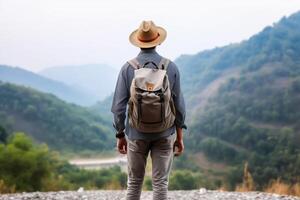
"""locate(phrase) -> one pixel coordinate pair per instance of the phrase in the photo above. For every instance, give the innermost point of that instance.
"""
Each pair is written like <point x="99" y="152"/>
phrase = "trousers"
<point x="161" y="152"/>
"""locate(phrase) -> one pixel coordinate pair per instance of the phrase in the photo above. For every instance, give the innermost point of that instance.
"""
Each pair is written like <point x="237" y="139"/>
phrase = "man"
<point x="139" y="142"/>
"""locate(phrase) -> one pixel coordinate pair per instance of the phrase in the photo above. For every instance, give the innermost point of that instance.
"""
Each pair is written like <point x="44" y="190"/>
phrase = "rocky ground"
<point x="201" y="194"/>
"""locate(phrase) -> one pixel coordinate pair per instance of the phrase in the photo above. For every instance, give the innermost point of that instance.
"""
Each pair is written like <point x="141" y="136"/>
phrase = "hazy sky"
<point x="36" y="34"/>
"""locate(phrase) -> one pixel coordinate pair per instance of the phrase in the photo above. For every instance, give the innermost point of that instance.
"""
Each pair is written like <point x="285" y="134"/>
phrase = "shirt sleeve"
<point x="178" y="101"/>
<point x="120" y="100"/>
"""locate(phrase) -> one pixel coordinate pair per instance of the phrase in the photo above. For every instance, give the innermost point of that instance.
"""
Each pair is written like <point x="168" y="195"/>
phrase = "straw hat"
<point x="148" y="35"/>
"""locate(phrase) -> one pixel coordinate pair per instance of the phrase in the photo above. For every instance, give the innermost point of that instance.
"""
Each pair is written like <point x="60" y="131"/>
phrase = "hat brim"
<point x="136" y="42"/>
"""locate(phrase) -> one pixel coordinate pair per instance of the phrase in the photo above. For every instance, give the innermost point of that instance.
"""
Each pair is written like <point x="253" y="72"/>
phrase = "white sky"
<point x="35" y="34"/>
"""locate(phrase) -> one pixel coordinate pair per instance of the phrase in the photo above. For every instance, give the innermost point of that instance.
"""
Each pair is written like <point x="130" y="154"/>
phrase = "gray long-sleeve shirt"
<point x="122" y="95"/>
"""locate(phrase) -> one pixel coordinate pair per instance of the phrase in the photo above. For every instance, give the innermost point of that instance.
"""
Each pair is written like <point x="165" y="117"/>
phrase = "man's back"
<point x="123" y="92"/>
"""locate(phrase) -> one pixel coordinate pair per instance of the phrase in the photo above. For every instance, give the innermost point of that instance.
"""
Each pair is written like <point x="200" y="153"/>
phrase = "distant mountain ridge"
<point x="96" y="79"/>
<point x="27" y="78"/>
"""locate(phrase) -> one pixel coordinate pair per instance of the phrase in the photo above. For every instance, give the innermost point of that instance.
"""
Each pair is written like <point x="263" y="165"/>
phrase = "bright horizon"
<point x="37" y="34"/>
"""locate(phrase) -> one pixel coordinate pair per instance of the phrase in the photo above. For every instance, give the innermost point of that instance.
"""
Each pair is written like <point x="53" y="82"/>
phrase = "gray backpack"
<point x="150" y="108"/>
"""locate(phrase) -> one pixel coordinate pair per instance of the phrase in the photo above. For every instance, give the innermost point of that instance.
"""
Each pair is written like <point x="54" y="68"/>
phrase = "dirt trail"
<point x="201" y="194"/>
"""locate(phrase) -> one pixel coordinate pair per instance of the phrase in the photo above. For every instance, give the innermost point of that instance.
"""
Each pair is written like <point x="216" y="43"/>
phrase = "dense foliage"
<point x="72" y="178"/>
<point x="264" y="131"/>
<point x="25" y="166"/>
<point x="254" y="117"/>
<point x="61" y="125"/>
<point x="275" y="43"/>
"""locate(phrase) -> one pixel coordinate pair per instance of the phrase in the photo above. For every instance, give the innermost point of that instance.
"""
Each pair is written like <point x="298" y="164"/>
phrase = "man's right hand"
<point x="122" y="145"/>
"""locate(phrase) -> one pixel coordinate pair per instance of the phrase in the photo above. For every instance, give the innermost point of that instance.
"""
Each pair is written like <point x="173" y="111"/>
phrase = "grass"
<point x="275" y="186"/>
<point x="280" y="187"/>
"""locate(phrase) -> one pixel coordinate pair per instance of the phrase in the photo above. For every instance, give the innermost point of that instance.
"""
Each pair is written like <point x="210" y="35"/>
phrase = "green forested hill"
<point x="279" y="42"/>
<point x="103" y="107"/>
<point x="48" y="119"/>
<point x="243" y="105"/>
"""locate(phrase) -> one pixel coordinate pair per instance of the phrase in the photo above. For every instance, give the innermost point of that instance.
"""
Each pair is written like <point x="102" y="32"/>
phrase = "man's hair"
<point x="148" y="48"/>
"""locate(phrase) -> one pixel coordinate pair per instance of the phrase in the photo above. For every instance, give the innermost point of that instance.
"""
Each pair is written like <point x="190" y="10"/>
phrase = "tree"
<point x="3" y="135"/>
<point x="24" y="165"/>
<point x="184" y="180"/>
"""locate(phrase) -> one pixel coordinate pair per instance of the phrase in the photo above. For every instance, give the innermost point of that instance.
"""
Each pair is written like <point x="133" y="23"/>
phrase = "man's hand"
<point x="122" y="145"/>
<point x="178" y="145"/>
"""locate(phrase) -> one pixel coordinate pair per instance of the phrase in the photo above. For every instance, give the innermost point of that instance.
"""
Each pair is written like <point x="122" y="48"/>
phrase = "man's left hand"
<point x="122" y="145"/>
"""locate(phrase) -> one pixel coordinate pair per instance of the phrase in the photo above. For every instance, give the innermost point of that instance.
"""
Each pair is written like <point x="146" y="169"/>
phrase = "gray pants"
<point x="161" y="152"/>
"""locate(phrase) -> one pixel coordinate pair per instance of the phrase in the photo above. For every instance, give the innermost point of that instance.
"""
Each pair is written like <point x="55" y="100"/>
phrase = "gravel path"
<point x="201" y="194"/>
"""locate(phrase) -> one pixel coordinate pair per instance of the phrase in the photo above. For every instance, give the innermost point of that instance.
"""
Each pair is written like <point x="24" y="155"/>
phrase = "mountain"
<point x="23" y="77"/>
<point x="243" y="106"/>
<point x="63" y="126"/>
<point x="103" y="107"/>
<point x="96" y="79"/>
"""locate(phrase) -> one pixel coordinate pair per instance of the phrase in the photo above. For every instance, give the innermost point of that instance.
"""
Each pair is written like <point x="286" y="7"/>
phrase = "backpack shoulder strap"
<point x="163" y="64"/>
<point x="134" y="63"/>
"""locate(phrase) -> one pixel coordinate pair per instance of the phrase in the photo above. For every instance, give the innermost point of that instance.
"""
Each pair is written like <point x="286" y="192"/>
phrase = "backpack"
<point x="150" y="107"/>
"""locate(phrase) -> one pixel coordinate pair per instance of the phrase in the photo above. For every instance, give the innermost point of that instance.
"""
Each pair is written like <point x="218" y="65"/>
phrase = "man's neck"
<point x="148" y="50"/>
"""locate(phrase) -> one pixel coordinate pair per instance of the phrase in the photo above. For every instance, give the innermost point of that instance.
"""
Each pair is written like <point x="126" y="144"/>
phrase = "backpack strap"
<point x="134" y="63"/>
<point x="163" y="64"/>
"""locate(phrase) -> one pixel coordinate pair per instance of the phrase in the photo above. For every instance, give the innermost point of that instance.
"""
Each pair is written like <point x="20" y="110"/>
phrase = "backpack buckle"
<point x="162" y="98"/>
<point x="139" y="98"/>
